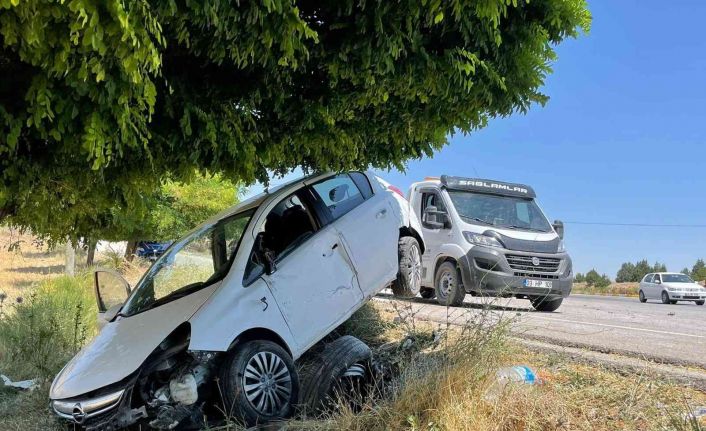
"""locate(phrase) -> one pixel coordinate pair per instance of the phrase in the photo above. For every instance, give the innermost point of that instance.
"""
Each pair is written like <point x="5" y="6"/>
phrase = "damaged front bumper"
<point x="107" y="411"/>
<point x="501" y="272"/>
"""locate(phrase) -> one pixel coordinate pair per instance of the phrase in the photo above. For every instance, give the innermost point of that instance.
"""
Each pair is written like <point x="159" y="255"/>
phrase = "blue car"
<point x="152" y="250"/>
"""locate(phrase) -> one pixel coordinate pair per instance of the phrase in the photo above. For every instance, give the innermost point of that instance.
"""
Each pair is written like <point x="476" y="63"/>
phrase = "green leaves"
<point x="102" y="102"/>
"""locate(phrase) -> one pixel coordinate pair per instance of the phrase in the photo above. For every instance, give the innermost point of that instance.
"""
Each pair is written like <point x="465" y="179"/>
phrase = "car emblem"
<point x="78" y="414"/>
<point x="535" y="261"/>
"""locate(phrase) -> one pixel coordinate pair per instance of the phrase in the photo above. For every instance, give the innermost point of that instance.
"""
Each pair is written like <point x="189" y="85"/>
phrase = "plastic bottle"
<point x="519" y="374"/>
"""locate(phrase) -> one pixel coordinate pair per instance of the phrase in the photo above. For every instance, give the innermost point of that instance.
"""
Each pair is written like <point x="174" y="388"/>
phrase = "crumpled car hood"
<point x="123" y="345"/>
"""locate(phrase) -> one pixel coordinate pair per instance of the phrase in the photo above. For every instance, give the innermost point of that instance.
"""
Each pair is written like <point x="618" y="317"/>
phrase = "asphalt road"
<point x="673" y="334"/>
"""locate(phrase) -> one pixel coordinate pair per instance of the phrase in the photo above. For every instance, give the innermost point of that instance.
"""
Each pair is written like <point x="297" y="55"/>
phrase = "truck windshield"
<point x="676" y="278"/>
<point x="192" y="263"/>
<point x="499" y="211"/>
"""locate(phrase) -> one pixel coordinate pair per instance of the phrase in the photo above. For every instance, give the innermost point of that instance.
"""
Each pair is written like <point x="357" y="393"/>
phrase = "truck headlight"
<point x="561" y="248"/>
<point x="478" y="239"/>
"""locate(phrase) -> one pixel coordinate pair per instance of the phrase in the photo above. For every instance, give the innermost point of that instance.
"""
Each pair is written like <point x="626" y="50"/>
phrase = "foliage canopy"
<point x="100" y="102"/>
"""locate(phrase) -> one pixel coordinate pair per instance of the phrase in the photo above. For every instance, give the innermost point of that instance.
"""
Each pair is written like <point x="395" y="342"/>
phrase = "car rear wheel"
<point x="340" y="373"/>
<point x="409" y="276"/>
<point x="665" y="298"/>
<point x="642" y="296"/>
<point x="546" y="305"/>
<point x="700" y="302"/>
<point x="259" y="382"/>
<point x="427" y="292"/>
<point x="449" y="289"/>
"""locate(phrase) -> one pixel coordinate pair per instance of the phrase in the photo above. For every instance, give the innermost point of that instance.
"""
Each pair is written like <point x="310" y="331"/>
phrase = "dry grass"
<point x="444" y="387"/>
<point x="615" y="289"/>
<point x="24" y="262"/>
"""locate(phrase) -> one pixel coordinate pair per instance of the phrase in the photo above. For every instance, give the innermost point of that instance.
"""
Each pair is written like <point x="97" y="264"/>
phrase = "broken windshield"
<point x="192" y="263"/>
<point x="500" y="211"/>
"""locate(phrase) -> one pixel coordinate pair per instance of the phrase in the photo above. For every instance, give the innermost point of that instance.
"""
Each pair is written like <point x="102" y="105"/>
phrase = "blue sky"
<point x="620" y="141"/>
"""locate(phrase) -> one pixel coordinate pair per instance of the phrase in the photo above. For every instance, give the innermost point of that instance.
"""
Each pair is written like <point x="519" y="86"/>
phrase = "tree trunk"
<point x="130" y="250"/>
<point x="70" y="259"/>
<point x="91" y="251"/>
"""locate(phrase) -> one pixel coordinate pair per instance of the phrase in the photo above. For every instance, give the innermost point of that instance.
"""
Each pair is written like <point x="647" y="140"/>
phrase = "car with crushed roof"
<point x="223" y="314"/>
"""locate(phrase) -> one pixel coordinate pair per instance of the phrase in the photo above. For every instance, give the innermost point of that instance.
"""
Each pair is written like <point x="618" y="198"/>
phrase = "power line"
<point x="636" y="224"/>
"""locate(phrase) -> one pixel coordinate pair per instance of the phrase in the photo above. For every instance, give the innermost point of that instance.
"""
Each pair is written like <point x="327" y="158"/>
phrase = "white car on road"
<point x="237" y="301"/>
<point x="671" y="287"/>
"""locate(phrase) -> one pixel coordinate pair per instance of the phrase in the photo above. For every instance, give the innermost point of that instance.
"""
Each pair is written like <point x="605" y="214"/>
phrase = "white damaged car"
<point x="225" y="312"/>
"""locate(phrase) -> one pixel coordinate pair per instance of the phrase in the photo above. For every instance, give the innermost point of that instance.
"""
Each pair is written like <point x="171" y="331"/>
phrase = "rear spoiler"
<point x="492" y="187"/>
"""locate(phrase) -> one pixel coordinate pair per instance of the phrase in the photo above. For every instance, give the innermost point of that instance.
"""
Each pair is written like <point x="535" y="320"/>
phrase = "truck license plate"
<point x="538" y="283"/>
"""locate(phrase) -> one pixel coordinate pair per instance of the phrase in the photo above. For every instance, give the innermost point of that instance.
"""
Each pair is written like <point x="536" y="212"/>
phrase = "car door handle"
<point x="330" y="252"/>
<point x="382" y="213"/>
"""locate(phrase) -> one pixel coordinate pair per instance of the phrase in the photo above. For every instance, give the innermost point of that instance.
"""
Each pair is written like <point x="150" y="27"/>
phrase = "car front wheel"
<point x="449" y="289"/>
<point x="642" y="296"/>
<point x="665" y="298"/>
<point x="543" y="304"/>
<point x="700" y="302"/>
<point x="259" y="382"/>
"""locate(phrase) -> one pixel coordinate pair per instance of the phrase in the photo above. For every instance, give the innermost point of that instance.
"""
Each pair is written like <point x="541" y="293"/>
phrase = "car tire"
<point x="448" y="286"/>
<point x="700" y="302"/>
<point x="642" y="297"/>
<point x="409" y="275"/>
<point x="546" y="305"/>
<point x="268" y="364"/>
<point x="427" y="292"/>
<point x="665" y="298"/>
<point x="342" y="368"/>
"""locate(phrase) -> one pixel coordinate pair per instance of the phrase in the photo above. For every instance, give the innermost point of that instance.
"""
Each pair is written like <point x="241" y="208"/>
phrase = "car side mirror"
<point x="435" y="219"/>
<point x="265" y="256"/>
<point x="559" y="228"/>
<point x="112" y="290"/>
<point x="657" y="282"/>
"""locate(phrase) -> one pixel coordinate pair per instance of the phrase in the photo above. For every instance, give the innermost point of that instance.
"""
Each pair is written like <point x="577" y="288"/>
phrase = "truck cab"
<point x="489" y="238"/>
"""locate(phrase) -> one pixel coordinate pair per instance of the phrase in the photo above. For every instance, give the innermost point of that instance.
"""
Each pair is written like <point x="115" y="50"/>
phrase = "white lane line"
<point x="631" y="328"/>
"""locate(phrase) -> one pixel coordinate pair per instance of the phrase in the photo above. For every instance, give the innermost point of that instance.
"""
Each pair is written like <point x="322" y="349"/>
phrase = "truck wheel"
<point x="342" y="369"/>
<point x="642" y="297"/>
<point x="543" y="304"/>
<point x="259" y="382"/>
<point x="665" y="298"/>
<point x="409" y="276"/>
<point x="449" y="290"/>
<point x="427" y="292"/>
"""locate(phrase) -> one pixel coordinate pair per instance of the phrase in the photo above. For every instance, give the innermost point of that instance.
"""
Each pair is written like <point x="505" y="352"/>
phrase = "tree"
<point x="686" y="271"/>
<point x="169" y="213"/>
<point x="101" y="102"/>
<point x="658" y="267"/>
<point x="579" y="278"/>
<point x="630" y="272"/>
<point x="626" y="273"/>
<point x="698" y="271"/>
<point x="593" y="278"/>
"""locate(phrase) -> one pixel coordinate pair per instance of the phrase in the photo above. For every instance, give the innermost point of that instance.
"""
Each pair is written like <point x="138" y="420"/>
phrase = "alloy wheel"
<point x="267" y="383"/>
<point x="415" y="268"/>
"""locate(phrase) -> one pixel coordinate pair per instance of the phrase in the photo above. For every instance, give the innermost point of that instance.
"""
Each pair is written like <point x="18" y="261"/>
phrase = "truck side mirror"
<point x="264" y="255"/>
<point x="434" y="219"/>
<point x="111" y="290"/>
<point x="559" y="228"/>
